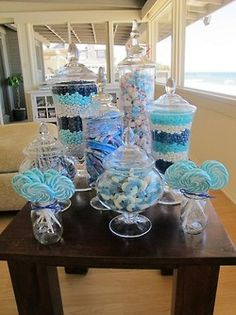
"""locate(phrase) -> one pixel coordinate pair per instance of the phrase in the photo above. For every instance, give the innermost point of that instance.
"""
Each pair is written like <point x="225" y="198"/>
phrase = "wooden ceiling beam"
<point x="94" y="33"/>
<point x="51" y="30"/>
<point x="75" y="34"/>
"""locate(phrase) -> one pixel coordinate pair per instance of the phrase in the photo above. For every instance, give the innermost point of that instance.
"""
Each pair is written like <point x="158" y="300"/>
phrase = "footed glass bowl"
<point x="129" y="193"/>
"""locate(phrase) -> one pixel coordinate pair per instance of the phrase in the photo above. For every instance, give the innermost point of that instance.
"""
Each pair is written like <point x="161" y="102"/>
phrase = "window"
<point x="101" y="53"/>
<point x="163" y="45"/>
<point x="210" y="51"/>
<point x="89" y="38"/>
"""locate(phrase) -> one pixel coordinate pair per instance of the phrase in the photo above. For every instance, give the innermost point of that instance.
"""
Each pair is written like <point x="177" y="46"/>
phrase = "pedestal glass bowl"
<point x="129" y="185"/>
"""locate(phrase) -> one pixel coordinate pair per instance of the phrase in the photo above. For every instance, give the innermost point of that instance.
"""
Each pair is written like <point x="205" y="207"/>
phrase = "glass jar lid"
<point x="44" y="145"/>
<point x="172" y="102"/>
<point x="73" y="72"/>
<point x="102" y="102"/>
<point x="136" y="53"/>
<point x="128" y="156"/>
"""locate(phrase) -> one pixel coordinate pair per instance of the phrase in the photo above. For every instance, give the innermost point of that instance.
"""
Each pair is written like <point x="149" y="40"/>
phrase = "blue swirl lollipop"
<point x="176" y="171"/>
<point x="36" y="186"/>
<point x="18" y="181"/>
<point x="217" y="172"/>
<point x="37" y="192"/>
<point x="195" y="181"/>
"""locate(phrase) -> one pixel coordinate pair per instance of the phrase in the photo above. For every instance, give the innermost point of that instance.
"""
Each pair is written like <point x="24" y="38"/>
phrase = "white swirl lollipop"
<point x="217" y="172"/>
<point x="195" y="181"/>
<point x="37" y="192"/>
<point x="176" y="171"/>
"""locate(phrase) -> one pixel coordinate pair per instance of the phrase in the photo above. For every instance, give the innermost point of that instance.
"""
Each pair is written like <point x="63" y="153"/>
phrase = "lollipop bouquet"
<point x="194" y="182"/>
<point x="44" y="191"/>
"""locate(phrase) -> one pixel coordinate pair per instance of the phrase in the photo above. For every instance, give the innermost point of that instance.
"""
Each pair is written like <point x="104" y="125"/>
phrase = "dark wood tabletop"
<point x="88" y="241"/>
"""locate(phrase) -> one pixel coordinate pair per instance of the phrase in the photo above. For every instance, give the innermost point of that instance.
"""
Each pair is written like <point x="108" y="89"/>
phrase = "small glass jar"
<point x="194" y="213"/>
<point x="137" y="75"/>
<point x="103" y="127"/>
<point x="129" y="185"/>
<point x="46" y="222"/>
<point x="72" y="89"/>
<point x="170" y="121"/>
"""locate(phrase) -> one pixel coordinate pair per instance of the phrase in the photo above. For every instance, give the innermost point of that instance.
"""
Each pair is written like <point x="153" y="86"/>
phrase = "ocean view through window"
<point x="210" y="52"/>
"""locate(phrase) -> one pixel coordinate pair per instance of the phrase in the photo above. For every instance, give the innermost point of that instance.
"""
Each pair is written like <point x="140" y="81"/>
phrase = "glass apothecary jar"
<point x="103" y="125"/>
<point x="170" y="121"/>
<point x="72" y="89"/>
<point x="129" y="185"/>
<point x="46" y="152"/>
<point x="136" y="78"/>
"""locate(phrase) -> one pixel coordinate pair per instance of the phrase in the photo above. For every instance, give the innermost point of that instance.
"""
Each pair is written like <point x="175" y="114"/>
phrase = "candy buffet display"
<point x="72" y="89"/>
<point x="170" y="121"/>
<point x="195" y="182"/>
<point x="137" y="90"/>
<point x="44" y="190"/>
<point x="129" y="185"/>
<point x="102" y="129"/>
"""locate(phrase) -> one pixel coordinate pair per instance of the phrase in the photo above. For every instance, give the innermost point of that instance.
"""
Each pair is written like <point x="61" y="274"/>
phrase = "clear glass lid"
<point x="102" y="101"/>
<point x="44" y="145"/>
<point x="172" y="102"/>
<point x="73" y="72"/>
<point x="128" y="156"/>
<point x="135" y="53"/>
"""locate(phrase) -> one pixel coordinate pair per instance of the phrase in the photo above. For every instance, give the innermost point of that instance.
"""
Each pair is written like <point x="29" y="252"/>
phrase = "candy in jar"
<point x="129" y="185"/>
<point x="72" y="89"/>
<point x="137" y="90"/>
<point x="170" y="121"/>
<point x="102" y="129"/>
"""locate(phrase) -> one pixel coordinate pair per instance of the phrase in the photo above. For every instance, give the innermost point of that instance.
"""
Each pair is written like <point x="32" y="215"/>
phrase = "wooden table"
<point x="88" y="242"/>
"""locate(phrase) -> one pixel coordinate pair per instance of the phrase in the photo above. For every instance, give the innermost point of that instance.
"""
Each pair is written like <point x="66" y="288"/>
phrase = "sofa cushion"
<point x="9" y="199"/>
<point x="13" y="139"/>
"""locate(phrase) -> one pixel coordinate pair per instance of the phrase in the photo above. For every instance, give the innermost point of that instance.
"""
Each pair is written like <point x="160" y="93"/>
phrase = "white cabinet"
<point x="43" y="108"/>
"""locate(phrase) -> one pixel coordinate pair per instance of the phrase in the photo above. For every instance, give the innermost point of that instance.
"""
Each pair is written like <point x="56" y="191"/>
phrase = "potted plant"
<point x="19" y="113"/>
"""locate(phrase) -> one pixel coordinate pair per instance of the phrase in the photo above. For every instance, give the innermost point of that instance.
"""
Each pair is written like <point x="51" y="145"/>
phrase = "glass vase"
<point x="46" y="222"/>
<point x="194" y="213"/>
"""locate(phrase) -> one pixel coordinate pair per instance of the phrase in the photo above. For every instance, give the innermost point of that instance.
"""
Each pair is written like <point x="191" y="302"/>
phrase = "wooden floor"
<point x="128" y="292"/>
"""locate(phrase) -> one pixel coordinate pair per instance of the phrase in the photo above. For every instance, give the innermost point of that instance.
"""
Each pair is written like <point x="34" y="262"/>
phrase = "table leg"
<point x="36" y="288"/>
<point x="194" y="290"/>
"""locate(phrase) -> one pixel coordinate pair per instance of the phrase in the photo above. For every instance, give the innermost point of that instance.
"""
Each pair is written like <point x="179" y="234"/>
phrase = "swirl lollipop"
<point x="176" y="171"/>
<point x="18" y="182"/>
<point x="217" y="172"/>
<point x="36" y="186"/>
<point x="37" y="192"/>
<point x="195" y="181"/>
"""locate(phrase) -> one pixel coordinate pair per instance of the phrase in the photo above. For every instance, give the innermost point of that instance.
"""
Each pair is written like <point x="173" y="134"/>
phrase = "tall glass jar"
<point x="102" y="129"/>
<point x="72" y="89"/>
<point x="47" y="222"/>
<point x="170" y="121"/>
<point x="137" y="74"/>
